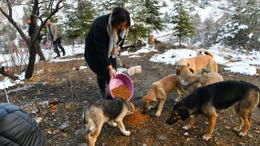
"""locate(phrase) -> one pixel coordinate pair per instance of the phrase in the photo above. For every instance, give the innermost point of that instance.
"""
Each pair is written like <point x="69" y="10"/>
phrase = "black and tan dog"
<point x="209" y="100"/>
<point x="112" y="111"/>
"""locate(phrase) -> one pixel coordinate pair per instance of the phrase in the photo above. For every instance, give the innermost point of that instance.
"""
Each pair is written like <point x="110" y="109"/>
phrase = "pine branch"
<point x="14" y="23"/>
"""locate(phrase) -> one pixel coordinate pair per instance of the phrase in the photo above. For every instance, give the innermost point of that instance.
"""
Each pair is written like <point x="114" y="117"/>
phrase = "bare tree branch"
<point x="48" y="8"/>
<point x="11" y="20"/>
<point x="10" y="8"/>
<point x="32" y="43"/>
<point x="57" y="8"/>
<point x="3" y="72"/>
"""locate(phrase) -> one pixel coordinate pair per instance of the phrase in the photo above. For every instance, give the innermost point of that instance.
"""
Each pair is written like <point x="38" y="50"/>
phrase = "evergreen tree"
<point x="152" y="15"/>
<point x="105" y="6"/>
<point x="146" y="17"/>
<point x="182" y="19"/>
<point x="9" y="32"/>
<point x="79" y="19"/>
<point x="138" y="28"/>
<point x="241" y="30"/>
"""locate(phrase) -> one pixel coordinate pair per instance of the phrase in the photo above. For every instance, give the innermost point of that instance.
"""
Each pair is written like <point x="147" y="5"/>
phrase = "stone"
<point x="162" y="137"/>
<point x="134" y="70"/>
<point x="82" y="144"/>
<point x="64" y="126"/>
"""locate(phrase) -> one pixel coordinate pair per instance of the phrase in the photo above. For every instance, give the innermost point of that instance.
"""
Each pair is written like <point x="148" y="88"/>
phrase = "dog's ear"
<point x="191" y="70"/>
<point x="184" y="113"/>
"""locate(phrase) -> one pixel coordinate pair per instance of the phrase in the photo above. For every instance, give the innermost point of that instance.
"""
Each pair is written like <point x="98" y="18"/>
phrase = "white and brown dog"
<point x="190" y="81"/>
<point x="159" y="91"/>
<point x="200" y="61"/>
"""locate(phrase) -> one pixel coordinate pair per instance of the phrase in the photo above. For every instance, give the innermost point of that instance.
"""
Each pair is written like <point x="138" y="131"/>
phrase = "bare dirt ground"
<point x="62" y="123"/>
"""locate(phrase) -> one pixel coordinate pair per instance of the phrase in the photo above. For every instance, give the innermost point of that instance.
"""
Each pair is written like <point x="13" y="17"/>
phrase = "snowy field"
<point x="235" y="61"/>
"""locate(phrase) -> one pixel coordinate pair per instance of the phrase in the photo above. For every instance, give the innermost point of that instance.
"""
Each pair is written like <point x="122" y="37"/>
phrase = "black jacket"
<point x="17" y="127"/>
<point x="97" y="41"/>
<point x="30" y="28"/>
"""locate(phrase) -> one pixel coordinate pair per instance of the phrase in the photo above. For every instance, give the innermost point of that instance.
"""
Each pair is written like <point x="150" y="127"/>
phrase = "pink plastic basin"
<point x="121" y="79"/>
<point x="22" y="41"/>
<point x="47" y="44"/>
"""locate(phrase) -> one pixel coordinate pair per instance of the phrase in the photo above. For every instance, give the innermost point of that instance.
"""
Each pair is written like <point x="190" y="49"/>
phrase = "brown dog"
<point x="190" y="81"/>
<point x="200" y="61"/>
<point x="159" y="91"/>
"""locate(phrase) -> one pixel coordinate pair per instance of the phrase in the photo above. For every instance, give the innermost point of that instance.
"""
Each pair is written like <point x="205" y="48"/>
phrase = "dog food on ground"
<point x="137" y="119"/>
<point x="121" y="91"/>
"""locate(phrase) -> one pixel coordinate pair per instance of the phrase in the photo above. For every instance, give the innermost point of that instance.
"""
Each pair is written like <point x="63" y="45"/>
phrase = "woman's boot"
<point x="102" y="86"/>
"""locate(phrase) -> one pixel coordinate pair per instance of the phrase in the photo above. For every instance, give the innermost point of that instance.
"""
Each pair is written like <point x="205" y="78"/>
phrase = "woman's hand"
<point x="112" y="72"/>
<point x="116" y="50"/>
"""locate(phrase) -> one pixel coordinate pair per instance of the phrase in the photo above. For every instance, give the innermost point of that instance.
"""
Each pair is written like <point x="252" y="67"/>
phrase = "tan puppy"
<point x="190" y="81"/>
<point x="159" y="91"/>
<point x="201" y="61"/>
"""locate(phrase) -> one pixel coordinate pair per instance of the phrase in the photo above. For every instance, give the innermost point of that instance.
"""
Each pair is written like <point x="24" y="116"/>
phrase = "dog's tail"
<point x="204" y="52"/>
<point x="259" y="100"/>
<point x="258" y="97"/>
<point x="86" y="128"/>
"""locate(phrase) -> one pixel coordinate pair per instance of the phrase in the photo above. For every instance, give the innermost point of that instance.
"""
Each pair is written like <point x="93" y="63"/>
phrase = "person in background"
<point x="39" y="38"/>
<point x="103" y="42"/>
<point x="54" y="33"/>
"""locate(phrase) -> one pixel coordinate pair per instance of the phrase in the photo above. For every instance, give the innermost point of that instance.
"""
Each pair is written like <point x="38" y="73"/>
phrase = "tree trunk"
<point x="180" y="41"/>
<point x="30" y="67"/>
<point x="35" y="46"/>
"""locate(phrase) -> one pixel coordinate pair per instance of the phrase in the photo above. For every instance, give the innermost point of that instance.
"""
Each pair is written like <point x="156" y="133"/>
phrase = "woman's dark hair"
<point x="120" y="15"/>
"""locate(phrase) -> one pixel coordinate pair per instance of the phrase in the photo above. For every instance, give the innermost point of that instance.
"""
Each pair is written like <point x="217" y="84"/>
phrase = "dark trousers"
<point x="57" y="44"/>
<point x="39" y="52"/>
<point x="104" y="80"/>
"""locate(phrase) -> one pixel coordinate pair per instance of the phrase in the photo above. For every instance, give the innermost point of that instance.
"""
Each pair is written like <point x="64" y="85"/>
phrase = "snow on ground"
<point x="9" y="83"/>
<point x="243" y="62"/>
<point x="234" y="60"/>
<point x="211" y="11"/>
<point x="11" y="59"/>
<point x="145" y="49"/>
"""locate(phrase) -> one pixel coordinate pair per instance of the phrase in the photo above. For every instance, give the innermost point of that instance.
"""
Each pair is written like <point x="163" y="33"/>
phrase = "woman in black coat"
<point x="104" y="40"/>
